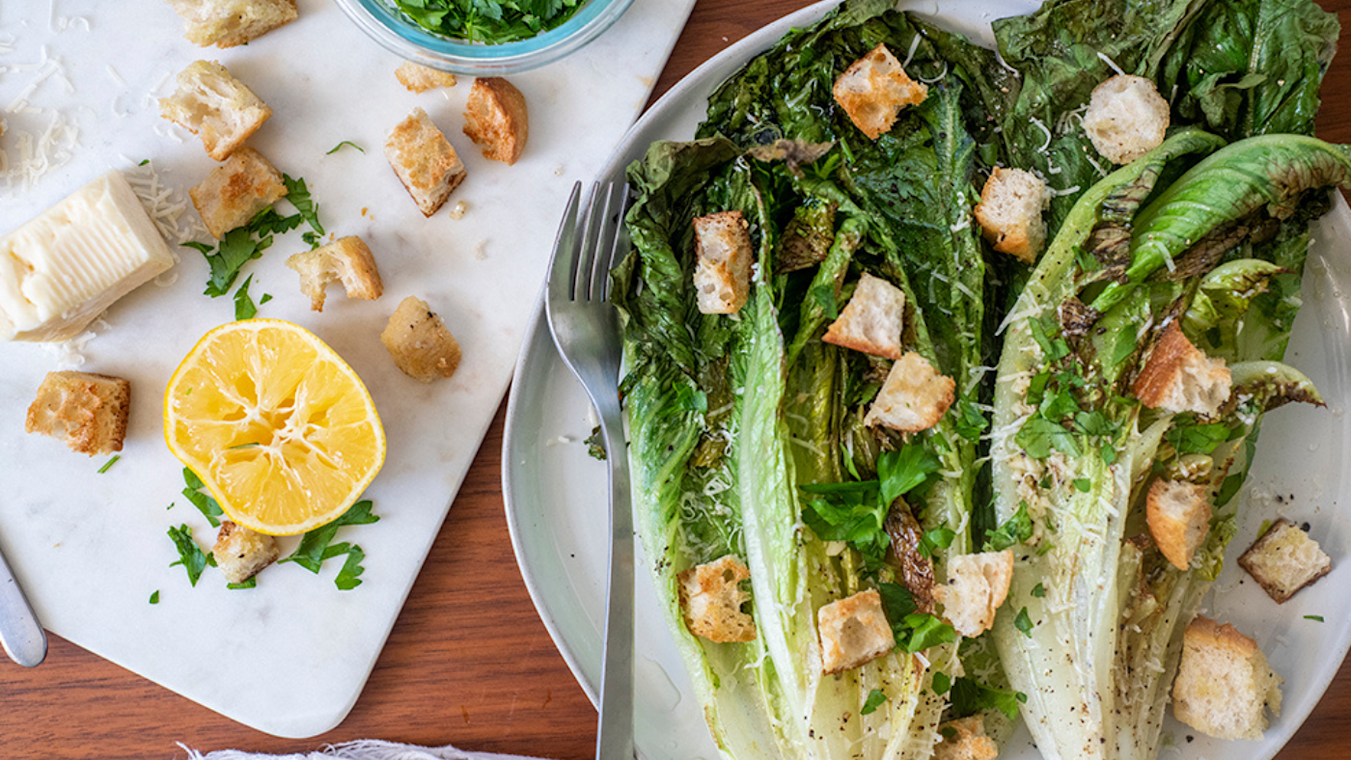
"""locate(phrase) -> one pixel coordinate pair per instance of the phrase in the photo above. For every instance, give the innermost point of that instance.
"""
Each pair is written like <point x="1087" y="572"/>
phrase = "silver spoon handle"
<point x="20" y="632"/>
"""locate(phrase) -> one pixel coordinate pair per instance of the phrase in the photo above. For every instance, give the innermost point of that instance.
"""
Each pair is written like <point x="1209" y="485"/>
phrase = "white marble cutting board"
<point x="90" y="548"/>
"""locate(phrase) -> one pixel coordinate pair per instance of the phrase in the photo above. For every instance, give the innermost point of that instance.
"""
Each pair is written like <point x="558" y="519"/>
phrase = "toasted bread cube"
<point x="422" y="78"/>
<point x="914" y="396"/>
<point x="419" y="342"/>
<point x="1224" y="684"/>
<point x="234" y="192"/>
<point x="977" y="584"/>
<point x="495" y="119"/>
<point x="241" y="553"/>
<point x="854" y="631"/>
<point x="347" y="260"/>
<point x="1009" y="212"/>
<point x="226" y="23"/>
<point x="711" y="599"/>
<point x="1126" y="118"/>
<point x="213" y="105"/>
<point x="1179" y="377"/>
<point x="88" y="411"/>
<point x="722" y="265"/>
<point x="871" y="322"/>
<point x="424" y="161"/>
<point x="965" y="739"/>
<point x="874" y="89"/>
<point x="1285" y="560"/>
<point x="1178" y="514"/>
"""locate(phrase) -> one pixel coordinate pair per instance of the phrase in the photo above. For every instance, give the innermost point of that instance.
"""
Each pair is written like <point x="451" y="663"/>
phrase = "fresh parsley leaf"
<point x="1023" y="622"/>
<point x="970" y="422"/>
<point x="933" y="540"/>
<point x="299" y="196"/>
<point x="1188" y="437"/>
<point x="1083" y="485"/>
<point x="340" y="145"/>
<point x="143" y="162"/>
<point x="1319" y="618"/>
<point x="349" y="577"/>
<point x="109" y="463"/>
<point x="903" y="470"/>
<point x="1039" y="591"/>
<point x="970" y="696"/>
<point x="266" y="297"/>
<point x="1013" y="531"/>
<point x="190" y="555"/>
<point x="154" y="597"/>
<point x="926" y="631"/>
<point x="195" y="494"/>
<point x="942" y="682"/>
<point x="250" y="583"/>
<point x="875" y="699"/>
<point x="1039" y="436"/>
<point x="244" y="307"/>
<point x="317" y="545"/>
<point x="1043" y="329"/>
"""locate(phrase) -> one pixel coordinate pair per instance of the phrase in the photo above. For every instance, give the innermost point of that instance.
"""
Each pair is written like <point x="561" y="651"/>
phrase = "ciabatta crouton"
<point x="234" y="192"/>
<point x="240" y="553"/>
<point x="347" y="260"/>
<point x="86" y="410"/>
<point x="424" y="161"/>
<point x="871" y="322"/>
<point x="419" y="342"/>
<point x="1178" y="514"/>
<point x="1179" y="377"/>
<point x="711" y="599"/>
<point x="965" y="739"/>
<point x="422" y="78"/>
<point x="1009" y="212"/>
<point x="854" y="631"/>
<point x="495" y="119"/>
<point x="977" y="584"/>
<point x="216" y="107"/>
<point x="722" y="265"/>
<point x="1285" y="560"/>
<point x="874" y="89"/>
<point x="914" y="396"/>
<point x="1224" y="684"/>
<point x="226" y="23"/>
<point x="1126" y="118"/>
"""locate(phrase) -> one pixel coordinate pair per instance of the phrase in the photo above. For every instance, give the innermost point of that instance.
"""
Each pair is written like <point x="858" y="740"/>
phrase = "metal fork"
<point x="585" y="328"/>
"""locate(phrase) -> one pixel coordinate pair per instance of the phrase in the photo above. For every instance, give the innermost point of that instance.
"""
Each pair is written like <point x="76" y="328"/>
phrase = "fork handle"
<point x="614" y="740"/>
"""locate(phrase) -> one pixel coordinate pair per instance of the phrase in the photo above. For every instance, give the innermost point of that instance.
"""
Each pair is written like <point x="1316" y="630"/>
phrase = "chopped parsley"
<point x="875" y="699"/>
<point x="914" y="631"/>
<point x="1023" y="622"/>
<point x="1013" y="531"/>
<point x="1039" y="591"/>
<point x="154" y="598"/>
<point x="317" y="546"/>
<point x="1319" y="618"/>
<point x="190" y="555"/>
<point x="196" y="494"/>
<point x="970" y="696"/>
<point x="340" y="145"/>
<point x="244" y="306"/>
<point x="109" y="463"/>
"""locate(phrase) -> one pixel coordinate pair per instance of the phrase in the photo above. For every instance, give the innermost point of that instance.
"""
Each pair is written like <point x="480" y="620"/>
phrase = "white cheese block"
<point x="70" y="263"/>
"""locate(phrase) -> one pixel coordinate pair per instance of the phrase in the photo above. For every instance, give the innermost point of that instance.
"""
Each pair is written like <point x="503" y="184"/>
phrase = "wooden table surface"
<point x="463" y="667"/>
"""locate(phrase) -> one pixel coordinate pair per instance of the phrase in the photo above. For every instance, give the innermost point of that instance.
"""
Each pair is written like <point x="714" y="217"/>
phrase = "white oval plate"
<point x="556" y="494"/>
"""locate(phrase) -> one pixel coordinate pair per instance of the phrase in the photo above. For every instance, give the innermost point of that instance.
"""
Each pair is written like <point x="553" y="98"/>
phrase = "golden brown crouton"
<point x="854" y="631"/>
<point x="240" y="553"/>
<point x="419" y="342"/>
<point x="914" y="396"/>
<point x="86" y="410"/>
<point x="347" y="260"/>
<point x="1126" y="118"/>
<point x="226" y="23"/>
<point x="424" y="161"/>
<point x="1224" y="684"/>
<point x="874" y="89"/>
<point x="711" y="599"/>
<point x="422" y="78"/>
<point x="216" y="107"/>
<point x="1178" y="514"/>
<point x="871" y="322"/>
<point x="722" y="266"/>
<point x="234" y="192"/>
<point x="1285" y="560"/>
<point x="1009" y="212"/>
<point x="965" y="739"/>
<point x="495" y="119"/>
<point x="1179" y="377"/>
<point x="977" y="584"/>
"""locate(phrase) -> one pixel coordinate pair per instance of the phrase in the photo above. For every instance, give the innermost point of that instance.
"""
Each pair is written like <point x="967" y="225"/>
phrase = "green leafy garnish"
<point x="490" y="22"/>
<point x="875" y="699"/>
<point x="1023" y="622"/>
<point x="914" y="631"/>
<point x="942" y="682"/>
<point x="190" y="555"/>
<point x="1013" y="531"/>
<point x="1039" y="591"/>
<point x="317" y="546"/>
<point x="970" y="696"/>
<point x="196" y="494"/>
<point x="595" y="444"/>
<point x="1319" y="618"/>
<point x="244" y="306"/>
<point x="340" y="145"/>
<point x="154" y="597"/>
<point x="109" y="463"/>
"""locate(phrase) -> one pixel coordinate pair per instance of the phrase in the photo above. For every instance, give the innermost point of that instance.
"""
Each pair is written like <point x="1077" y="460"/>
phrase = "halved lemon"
<point x="280" y="430"/>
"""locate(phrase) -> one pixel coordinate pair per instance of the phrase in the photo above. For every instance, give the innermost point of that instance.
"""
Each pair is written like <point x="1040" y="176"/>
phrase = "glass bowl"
<point x="383" y="22"/>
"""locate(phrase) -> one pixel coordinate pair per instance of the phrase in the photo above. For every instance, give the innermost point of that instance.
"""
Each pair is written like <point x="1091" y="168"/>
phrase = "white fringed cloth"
<point x="365" y="749"/>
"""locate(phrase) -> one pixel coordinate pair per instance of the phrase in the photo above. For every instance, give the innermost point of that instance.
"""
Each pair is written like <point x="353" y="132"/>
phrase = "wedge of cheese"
<point x="70" y="263"/>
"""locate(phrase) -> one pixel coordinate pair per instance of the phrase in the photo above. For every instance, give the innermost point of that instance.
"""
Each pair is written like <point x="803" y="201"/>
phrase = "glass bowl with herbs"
<point x="483" y="37"/>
